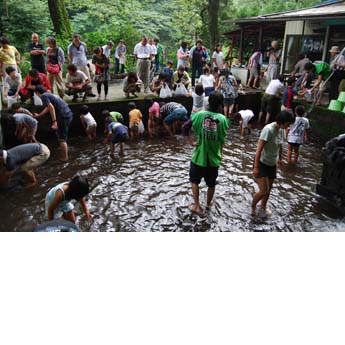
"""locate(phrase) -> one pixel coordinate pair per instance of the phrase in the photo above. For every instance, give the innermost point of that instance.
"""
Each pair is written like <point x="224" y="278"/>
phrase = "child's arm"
<point x="85" y="209"/>
<point x="83" y="122"/>
<point x="280" y="159"/>
<point x="259" y="149"/>
<point x="306" y="135"/>
<point x="54" y="203"/>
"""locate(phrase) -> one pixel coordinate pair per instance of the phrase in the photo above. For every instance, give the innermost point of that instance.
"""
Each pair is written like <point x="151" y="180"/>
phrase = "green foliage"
<point x="24" y="18"/>
<point x="99" y="21"/>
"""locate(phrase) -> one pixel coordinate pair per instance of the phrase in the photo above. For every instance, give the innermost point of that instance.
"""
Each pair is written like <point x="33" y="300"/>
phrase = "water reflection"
<point x="148" y="190"/>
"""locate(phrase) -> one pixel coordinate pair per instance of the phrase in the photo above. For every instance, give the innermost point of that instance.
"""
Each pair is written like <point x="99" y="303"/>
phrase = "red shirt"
<point x="42" y="80"/>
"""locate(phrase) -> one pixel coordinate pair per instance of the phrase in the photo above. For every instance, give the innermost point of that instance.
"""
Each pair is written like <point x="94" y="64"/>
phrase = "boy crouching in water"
<point x="116" y="133"/>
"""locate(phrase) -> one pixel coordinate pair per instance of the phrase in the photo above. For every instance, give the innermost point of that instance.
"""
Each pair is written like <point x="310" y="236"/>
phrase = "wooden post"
<point x="261" y="32"/>
<point x="240" y="55"/>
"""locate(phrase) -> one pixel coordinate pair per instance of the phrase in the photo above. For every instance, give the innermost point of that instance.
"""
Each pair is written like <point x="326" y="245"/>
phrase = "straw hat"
<point x="335" y="49"/>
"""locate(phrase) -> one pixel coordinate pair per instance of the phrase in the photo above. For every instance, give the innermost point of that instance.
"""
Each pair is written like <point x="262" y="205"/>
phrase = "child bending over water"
<point x="58" y="199"/>
<point x="116" y="133"/>
<point x="88" y="122"/>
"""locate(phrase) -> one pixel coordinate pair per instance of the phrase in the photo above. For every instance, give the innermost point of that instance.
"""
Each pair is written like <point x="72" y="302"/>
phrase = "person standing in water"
<point x="268" y="154"/>
<point x="211" y="128"/>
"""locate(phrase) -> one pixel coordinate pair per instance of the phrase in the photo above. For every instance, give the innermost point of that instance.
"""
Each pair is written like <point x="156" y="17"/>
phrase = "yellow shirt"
<point x="135" y="116"/>
<point x="8" y="56"/>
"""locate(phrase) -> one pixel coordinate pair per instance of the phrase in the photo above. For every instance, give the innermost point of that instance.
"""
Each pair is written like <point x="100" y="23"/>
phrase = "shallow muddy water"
<point x="148" y="190"/>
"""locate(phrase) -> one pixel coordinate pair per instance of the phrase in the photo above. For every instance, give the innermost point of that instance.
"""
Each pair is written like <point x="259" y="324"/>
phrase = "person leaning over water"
<point x="25" y="158"/>
<point x="268" y="153"/>
<point x="211" y="129"/>
<point x="58" y="199"/>
<point x="59" y="110"/>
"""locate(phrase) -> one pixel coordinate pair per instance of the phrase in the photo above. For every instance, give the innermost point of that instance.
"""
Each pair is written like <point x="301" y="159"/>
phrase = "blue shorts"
<point x="177" y="114"/>
<point x="63" y="124"/>
<point x="120" y="138"/>
<point x="210" y="174"/>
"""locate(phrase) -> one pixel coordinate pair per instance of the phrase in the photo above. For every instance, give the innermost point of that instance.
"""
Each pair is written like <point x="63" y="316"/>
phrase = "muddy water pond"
<point x="148" y="190"/>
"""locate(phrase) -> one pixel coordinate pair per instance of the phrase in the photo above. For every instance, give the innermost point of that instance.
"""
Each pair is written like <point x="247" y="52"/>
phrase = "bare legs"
<point x="64" y="148"/>
<point x="195" y="207"/>
<point x="295" y="150"/>
<point x="265" y="186"/>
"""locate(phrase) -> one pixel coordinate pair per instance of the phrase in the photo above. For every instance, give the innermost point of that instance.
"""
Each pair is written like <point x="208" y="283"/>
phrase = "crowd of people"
<point x="214" y="91"/>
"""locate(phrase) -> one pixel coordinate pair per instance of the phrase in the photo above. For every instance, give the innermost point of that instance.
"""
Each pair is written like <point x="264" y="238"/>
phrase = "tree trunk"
<point x="213" y="11"/>
<point x="58" y="14"/>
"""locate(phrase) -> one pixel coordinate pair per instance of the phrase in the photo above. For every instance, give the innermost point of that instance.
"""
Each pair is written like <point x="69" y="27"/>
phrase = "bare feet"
<point x="253" y="214"/>
<point x="196" y="209"/>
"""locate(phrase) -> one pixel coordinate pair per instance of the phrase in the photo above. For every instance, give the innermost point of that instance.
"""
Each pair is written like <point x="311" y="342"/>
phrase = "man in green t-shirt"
<point x="211" y="129"/>
<point x="323" y="71"/>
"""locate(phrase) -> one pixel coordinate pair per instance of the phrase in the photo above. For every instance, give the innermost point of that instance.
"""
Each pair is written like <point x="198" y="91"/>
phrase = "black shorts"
<point x="294" y="144"/>
<point x="122" y="138"/>
<point x="267" y="171"/>
<point x="63" y="125"/>
<point x="210" y="174"/>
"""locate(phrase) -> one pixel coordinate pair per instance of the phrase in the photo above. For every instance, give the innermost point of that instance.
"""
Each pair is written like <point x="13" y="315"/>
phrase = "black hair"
<point x="131" y="105"/>
<point x="97" y="50"/>
<point x="40" y="89"/>
<point x="299" y="110"/>
<point x="33" y="73"/>
<point x="15" y="106"/>
<point x="291" y="81"/>
<point x="309" y="66"/>
<point x="199" y="41"/>
<point x="71" y="67"/>
<point x="78" y="187"/>
<point x="284" y="117"/>
<point x="148" y="101"/>
<point x="9" y="69"/>
<point x="215" y="101"/>
<point x="105" y="113"/>
<point x="84" y="109"/>
<point x="199" y="89"/>
<point x="4" y="40"/>
<point x="281" y="78"/>
<point x="108" y="120"/>
<point x="237" y="116"/>
<point x="184" y="44"/>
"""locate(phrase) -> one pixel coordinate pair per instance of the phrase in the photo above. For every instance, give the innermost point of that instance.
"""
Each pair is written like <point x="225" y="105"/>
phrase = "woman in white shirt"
<point x="207" y="81"/>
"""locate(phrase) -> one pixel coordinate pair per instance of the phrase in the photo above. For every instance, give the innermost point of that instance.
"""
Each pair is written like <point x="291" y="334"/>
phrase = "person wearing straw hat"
<point x="338" y="69"/>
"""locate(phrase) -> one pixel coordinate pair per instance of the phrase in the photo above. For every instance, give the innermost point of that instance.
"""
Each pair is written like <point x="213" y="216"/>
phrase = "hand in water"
<point x="88" y="215"/>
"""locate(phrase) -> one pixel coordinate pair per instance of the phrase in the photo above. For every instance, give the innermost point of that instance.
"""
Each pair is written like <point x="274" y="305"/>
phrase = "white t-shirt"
<point x="246" y="116"/>
<point x="154" y="49"/>
<point x="143" y="52"/>
<point x="297" y="130"/>
<point x="219" y="59"/>
<point x="274" y="87"/>
<point x="207" y="80"/>
<point x="90" y="121"/>
<point x="198" y="102"/>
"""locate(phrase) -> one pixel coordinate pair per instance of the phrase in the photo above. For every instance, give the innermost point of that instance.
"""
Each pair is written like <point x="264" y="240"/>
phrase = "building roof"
<point x="326" y="10"/>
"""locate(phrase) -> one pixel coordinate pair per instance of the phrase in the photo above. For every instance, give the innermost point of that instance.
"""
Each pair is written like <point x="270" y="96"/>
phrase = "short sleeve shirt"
<point x="135" y="116"/>
<point x="211" y="129"/>
<point x="273" y="136"/>
<point x="76" y="79"/>
<point x="297" y="130"/>
<point x="116" y="116"/>
<point x="19" y="155"/>
<point x="36" y="60"/>
<point x="143" y="52"/>
<point x="13" y="84"/>
<point x="78" y="54"/>
<point x="24" y="118"/>
<point x="61" y="107"/>
<point x="155" y="109"/>
<point x="274" y="87"/>
<point x="8" y="56"/>
<point x="117" y="128"/>
<point x="323" y="68"/>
